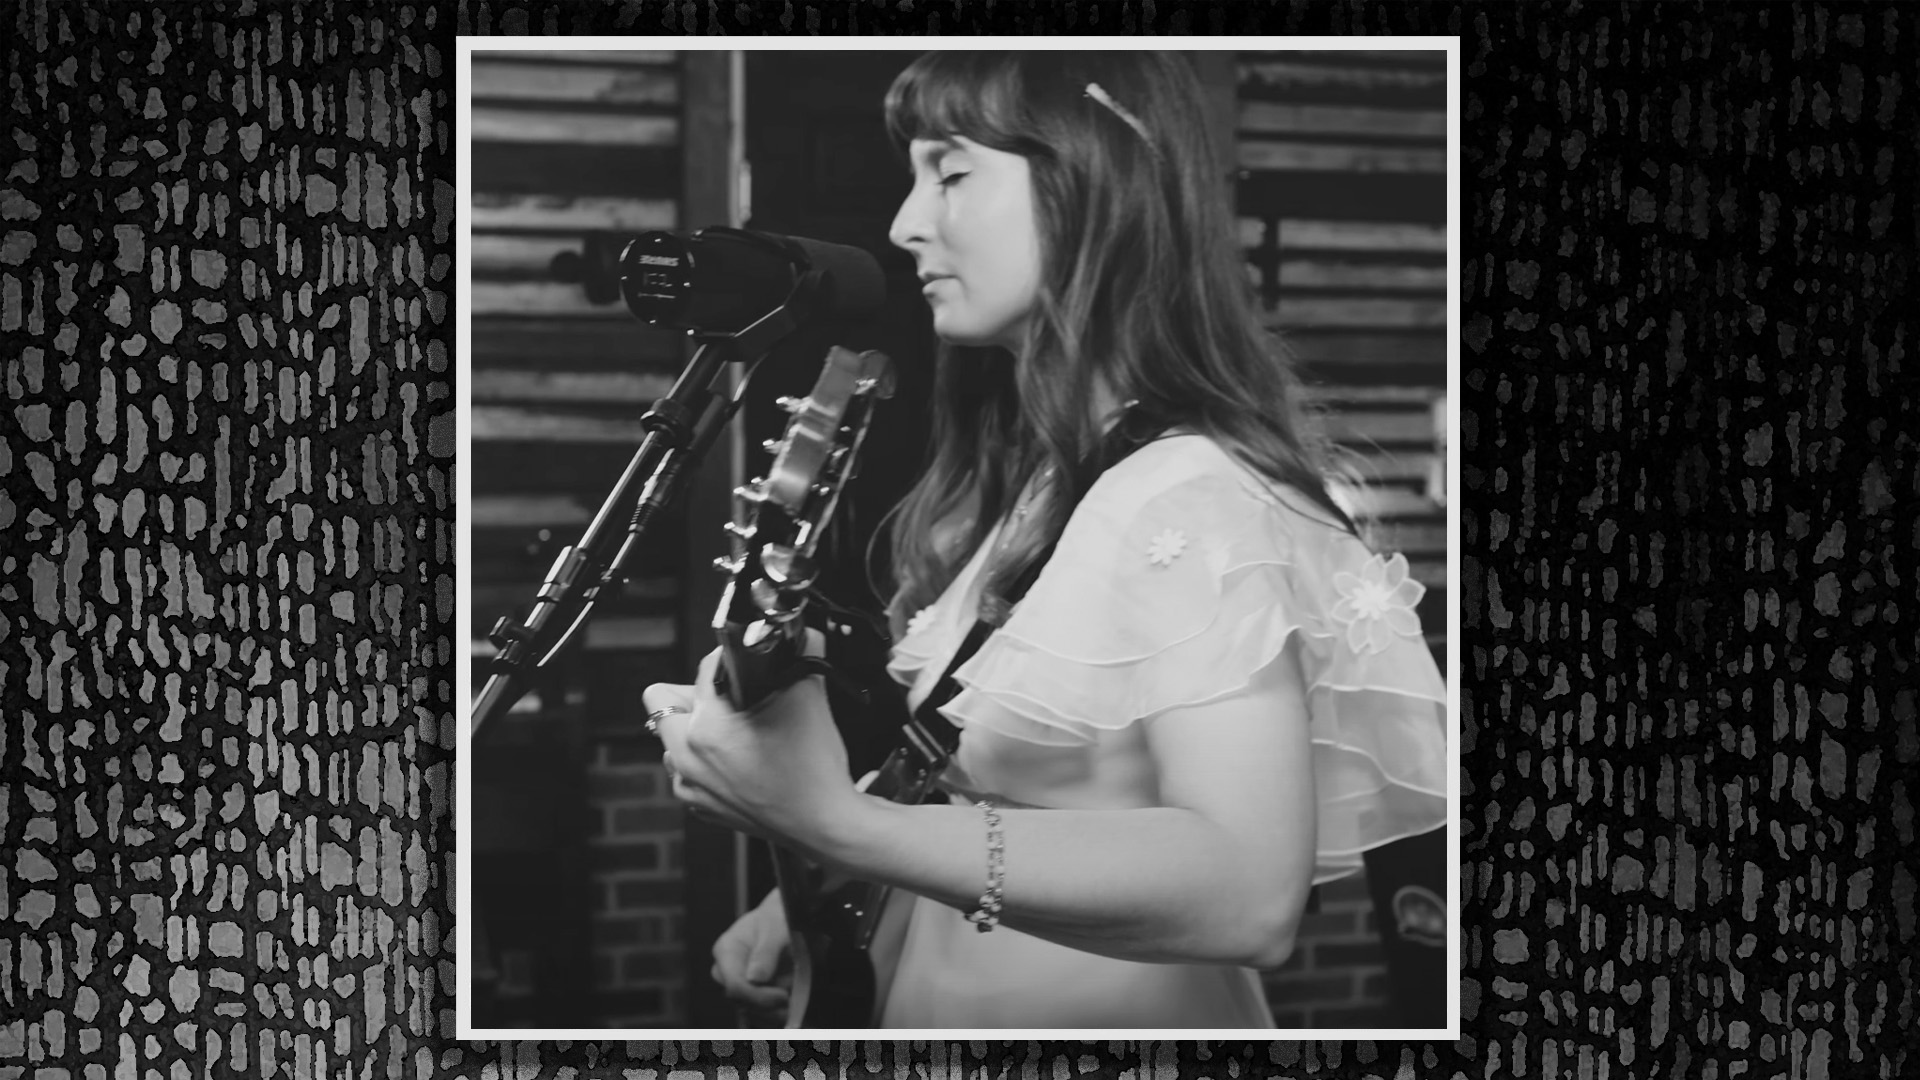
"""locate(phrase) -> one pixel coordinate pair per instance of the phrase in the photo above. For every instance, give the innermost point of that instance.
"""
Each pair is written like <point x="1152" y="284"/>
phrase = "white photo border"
<point x="465" y="47"/>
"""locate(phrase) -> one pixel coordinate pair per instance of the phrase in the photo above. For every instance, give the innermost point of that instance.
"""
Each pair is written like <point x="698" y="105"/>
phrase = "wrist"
<point x="847" y="838"/>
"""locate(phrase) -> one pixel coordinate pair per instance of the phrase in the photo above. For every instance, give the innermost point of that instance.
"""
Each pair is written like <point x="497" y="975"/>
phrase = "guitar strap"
<point x="1129" y="433"/>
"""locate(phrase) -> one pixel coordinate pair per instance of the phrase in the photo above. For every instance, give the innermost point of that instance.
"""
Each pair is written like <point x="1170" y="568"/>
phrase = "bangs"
<point x="943" y="94"/>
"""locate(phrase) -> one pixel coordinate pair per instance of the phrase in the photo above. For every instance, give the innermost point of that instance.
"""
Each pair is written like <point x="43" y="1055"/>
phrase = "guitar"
<point x="835" y="922"/>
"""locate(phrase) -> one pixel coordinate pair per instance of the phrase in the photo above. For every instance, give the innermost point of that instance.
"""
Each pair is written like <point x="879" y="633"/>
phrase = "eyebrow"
<point x="940" y="149"/>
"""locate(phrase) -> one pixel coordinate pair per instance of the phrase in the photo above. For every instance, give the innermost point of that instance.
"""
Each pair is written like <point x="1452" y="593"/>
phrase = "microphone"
<point x="721" y="280"/>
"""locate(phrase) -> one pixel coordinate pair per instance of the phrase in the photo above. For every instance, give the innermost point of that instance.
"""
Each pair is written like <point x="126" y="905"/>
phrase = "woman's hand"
<point x="751" y="961"/>
<point x="778" y="772"/>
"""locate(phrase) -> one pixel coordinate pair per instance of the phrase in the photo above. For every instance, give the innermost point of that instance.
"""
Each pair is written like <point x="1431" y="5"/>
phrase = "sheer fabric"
<point x="1180" y="576"/>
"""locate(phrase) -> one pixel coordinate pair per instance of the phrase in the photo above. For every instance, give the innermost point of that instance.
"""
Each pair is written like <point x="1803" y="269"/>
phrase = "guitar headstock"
<point x="779" y="518"/>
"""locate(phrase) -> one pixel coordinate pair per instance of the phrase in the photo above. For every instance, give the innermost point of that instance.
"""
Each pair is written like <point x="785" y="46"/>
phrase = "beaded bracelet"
<point x="987" y="915"/>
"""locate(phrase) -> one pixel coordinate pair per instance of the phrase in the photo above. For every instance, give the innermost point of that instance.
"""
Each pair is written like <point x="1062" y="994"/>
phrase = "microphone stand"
<point x="680" y="427"/>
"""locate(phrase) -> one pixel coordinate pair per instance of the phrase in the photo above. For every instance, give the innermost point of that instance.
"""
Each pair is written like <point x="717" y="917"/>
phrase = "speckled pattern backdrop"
<point x="226" y="535"/>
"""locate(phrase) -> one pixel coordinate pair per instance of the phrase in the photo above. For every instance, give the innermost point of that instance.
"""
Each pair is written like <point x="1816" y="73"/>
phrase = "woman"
<point x="1212" y="697"/>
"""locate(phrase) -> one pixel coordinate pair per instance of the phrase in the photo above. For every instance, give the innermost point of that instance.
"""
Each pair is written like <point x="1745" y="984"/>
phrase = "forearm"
<point x="1156" y="884"/>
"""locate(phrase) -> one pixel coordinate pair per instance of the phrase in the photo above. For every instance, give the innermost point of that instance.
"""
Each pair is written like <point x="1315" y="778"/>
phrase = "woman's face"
<point x="968" y="223"/>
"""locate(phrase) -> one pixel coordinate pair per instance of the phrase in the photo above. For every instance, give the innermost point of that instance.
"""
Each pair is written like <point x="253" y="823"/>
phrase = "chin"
<point x="960" y="337"/>
<point x="970" y="336"/>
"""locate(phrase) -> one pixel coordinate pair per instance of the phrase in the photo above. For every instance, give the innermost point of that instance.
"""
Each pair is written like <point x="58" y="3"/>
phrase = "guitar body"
<point x="838" y="982"/>
<point x="835" y="982"/>
<point x="846" y="933"/>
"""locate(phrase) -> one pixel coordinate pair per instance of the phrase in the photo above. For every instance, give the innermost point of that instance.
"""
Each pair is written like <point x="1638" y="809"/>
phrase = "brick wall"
<point x="1337" y="976"/>
<point x="635" y="865"/>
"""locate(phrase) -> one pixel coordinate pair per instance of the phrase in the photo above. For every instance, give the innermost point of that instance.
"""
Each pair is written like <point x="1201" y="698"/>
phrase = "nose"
<point x="910" y="228"/>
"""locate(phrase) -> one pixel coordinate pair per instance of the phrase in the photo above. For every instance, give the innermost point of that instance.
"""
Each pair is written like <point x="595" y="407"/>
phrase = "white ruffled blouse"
<point x="1180" y="575"/>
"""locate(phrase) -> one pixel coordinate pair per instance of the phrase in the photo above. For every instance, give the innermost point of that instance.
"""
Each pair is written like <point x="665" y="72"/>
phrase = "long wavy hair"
<point x="1142" y="286"/>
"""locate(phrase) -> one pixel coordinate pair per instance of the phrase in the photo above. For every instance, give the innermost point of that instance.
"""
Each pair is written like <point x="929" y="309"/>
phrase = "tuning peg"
<point x="774" y="446"/>
<point x="787" y="568"/>
<point x="744" y="532"/>
<point x="793" y="404"/>
<point x="725" y="565"/>
<point x="766" y="597"/>
<point x="823" y="490"/>
<point x="753" y="491"/>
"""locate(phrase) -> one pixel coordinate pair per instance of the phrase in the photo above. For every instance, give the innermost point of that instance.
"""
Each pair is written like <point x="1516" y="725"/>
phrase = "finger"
<point x="764" y="957"/>
<point x="707" y="700"/>
<point x="754" y="997"/>
<point x="761" y="997"/>
<point x="760" y="967"/>
<point x="729" y="956"/>
<point x="664" y="703"/>
<point x="671" y="729"/>
<point x="709" y="664"/>
<point x="687" y="791"/>
<point x="663" y="695"/>
<point x="739" y="990"/>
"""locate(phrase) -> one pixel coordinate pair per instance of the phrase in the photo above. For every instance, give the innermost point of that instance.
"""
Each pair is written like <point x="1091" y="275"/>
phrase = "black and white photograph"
<point x="957" y="540"/>
<point x="836" y="539"/>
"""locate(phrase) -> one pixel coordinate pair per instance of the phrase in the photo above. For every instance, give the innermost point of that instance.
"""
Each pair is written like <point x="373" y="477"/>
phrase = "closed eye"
<point x="953" y="178"/>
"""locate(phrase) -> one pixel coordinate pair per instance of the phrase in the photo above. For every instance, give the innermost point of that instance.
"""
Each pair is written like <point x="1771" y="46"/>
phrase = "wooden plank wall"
<point x="572" y="153"/>
<point x="1342" y="203"/>
<point x="568" y="147"/>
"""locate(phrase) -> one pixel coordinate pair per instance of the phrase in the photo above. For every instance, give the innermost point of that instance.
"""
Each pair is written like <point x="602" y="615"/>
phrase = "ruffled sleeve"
<point x="934" y="633"/>
<point x="1180" y="576"/>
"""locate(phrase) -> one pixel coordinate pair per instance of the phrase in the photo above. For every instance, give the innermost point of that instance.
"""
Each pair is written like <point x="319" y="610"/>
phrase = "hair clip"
<point x="1097" y="93"/>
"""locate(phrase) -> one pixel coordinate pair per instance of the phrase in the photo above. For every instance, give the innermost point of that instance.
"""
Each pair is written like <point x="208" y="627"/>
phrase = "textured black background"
<point x="1689" y="728"/>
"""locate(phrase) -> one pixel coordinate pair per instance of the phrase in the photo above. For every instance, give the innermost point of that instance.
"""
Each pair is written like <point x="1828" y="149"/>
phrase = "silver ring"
<point x="657" y="715"/>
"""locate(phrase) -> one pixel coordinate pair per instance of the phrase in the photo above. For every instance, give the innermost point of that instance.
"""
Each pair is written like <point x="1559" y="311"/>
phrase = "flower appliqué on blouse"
<point x="920" y="621"/>
<point x="1166" y="547"/>
<point x="1377" y="603"/>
